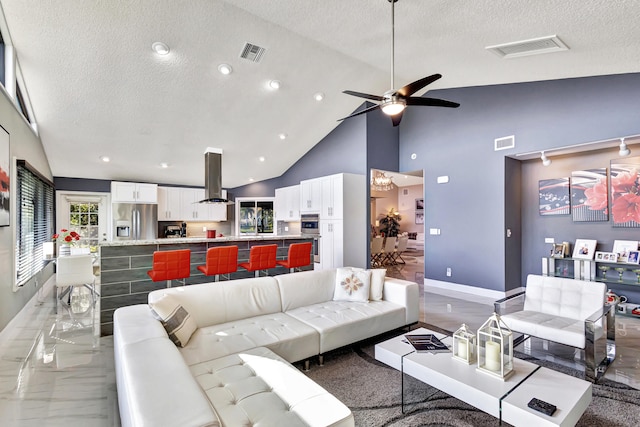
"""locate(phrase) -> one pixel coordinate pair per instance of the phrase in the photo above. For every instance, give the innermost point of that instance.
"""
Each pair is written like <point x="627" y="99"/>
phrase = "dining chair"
<point x="389" y="247"/>
<point x="299" y="255"/>
<point x="171" y="265"/>
<point x="403" y="241"/>
<point x="220" y="260"/>
<point x="262" y="257"/>
<point x="376" y="250"/>
<point x="72" y="271"/>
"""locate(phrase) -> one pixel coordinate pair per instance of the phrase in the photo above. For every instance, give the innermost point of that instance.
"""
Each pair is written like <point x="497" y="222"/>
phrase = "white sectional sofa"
<point x="235" y="368"/>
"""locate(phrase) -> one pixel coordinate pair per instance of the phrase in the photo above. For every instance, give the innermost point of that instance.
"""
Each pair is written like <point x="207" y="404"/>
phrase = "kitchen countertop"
<point x="172" y="241"/>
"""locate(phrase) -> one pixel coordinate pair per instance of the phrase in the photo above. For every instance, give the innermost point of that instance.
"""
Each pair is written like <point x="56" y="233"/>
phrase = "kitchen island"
<point x="124" y="265"/>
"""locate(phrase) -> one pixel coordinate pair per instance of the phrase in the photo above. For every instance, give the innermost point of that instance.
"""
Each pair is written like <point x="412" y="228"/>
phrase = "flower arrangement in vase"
<point x="66" y="239"/>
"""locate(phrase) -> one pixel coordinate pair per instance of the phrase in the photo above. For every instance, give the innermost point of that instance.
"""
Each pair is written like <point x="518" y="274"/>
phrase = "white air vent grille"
<point x="252" y="52"/>
<point x="504" y="143"/>
<point x="529" y="47"/>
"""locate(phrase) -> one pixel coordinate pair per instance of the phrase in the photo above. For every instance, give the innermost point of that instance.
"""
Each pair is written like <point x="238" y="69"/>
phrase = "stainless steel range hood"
<point x="213" y="177"/>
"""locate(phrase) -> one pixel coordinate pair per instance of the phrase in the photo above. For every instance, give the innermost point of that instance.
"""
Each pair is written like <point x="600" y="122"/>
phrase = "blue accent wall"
<point x="81" y="184"/>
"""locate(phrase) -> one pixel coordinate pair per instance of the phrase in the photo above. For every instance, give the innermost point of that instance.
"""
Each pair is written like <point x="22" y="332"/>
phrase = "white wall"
<point x="25" y="145"/>
<point x="406" y="207"/>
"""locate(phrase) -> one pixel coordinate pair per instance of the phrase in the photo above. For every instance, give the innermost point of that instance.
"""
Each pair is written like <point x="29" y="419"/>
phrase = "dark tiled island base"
<point x="123" y="270"/>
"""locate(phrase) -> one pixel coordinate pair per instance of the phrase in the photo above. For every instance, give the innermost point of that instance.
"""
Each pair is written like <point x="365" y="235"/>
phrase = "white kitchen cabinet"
<point x="311" y="195"/>
<point x="331" y="244"/>
<point x="332" y="197"/>
<point x="133" y="192"/>
<point x="217" y="211"/>
<point x="191" y="209"/>
<point x="169" y="204"/>
<point x="287" y="203"/>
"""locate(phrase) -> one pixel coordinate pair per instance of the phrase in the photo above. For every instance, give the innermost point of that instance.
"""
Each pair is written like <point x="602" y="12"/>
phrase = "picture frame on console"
<point x="584" y="249"/>
<point x="623" y="247"/>
<point x="557" y="250"/>
<point x="606" y="256"/>
<point x="634" y="257"/>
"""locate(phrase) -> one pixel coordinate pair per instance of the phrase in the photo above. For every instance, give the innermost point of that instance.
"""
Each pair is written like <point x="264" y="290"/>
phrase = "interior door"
<point x="84" y="213"/>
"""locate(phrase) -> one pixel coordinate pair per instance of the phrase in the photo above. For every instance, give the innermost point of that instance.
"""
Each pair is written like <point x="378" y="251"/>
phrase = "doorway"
<point x="404" y="199"/>
<point x="84" y="213"/>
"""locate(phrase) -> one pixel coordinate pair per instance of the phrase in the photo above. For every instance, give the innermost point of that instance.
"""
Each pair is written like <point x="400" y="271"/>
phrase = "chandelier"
<point x="381" y="182"/>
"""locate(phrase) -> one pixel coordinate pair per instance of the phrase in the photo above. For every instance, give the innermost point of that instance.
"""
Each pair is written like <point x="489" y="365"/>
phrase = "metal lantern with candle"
<point x="495" y="348"/>
<point x="464" y="345"/>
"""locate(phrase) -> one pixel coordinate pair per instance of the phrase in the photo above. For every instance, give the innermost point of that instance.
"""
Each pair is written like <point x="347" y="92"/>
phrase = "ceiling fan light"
<point x="393" y="108"/>
<point x="624" y="150"/>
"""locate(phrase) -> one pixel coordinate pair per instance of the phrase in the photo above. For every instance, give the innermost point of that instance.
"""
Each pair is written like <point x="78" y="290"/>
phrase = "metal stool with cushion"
<point x="171" y="265"/>
<point x="299" y="256"/>
<point x="260" y="258"/>
<point x="220" y="260"/>
<point x="71" y="271"/>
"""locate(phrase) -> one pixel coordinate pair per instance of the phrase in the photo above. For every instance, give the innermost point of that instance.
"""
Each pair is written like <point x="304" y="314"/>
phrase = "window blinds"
<point x="34" y="202"/>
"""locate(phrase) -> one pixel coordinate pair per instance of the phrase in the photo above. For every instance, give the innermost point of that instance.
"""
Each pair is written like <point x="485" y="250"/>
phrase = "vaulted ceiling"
<point x="98" y="89"/>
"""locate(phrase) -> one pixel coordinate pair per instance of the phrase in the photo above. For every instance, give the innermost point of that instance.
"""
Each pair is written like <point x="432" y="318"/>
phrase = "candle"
<point x="462" y="350"/>
<point x="492" y="356"/>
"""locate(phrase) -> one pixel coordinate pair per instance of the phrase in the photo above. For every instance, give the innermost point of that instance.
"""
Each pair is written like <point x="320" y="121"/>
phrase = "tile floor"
<point x="56" y="371"/>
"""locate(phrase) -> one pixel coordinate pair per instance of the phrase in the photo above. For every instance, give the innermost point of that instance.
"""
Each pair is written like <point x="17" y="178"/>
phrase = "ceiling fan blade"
<point x="396" y="119"/>
<point x="366" y="110"/>
<point x="363" y="95"/>
<point x="412" y="88"/>
<point x="431" y="102"/>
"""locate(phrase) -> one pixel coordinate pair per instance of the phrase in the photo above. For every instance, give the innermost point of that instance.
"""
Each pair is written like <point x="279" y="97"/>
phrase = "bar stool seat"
<point x="171" y="265"/>
<point x="299" y="255"/>
<point x="220" y="260"/>
<point x="260" y="258"/>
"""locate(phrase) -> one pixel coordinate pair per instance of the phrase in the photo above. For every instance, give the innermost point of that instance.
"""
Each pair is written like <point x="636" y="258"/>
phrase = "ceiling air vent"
<point x="252" y="52"/>
<point x="528" y="47"/>
<point x="504" y="143"/>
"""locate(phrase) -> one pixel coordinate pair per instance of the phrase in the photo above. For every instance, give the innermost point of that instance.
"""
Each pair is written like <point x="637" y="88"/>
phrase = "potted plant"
<point x="390" y="223"/>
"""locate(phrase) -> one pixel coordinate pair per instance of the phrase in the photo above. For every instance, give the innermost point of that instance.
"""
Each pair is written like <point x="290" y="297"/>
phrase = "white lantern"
<point x="495" y="348"/>
<point x="464" y="345"/>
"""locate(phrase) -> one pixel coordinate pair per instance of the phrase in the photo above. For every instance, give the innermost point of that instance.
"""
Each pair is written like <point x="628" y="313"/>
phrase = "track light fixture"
<point x="545" y="160"/>
<point x="624" y="150"/>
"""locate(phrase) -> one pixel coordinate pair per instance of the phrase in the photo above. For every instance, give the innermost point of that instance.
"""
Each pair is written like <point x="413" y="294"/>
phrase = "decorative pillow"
<point x="352" y="284"/>
<point x="377" y="283"/>
<point x="175" y="319"/>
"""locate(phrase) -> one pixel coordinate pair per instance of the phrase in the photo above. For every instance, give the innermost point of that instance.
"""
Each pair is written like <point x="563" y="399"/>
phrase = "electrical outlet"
<point x="448" y="308"/>
<point x="204" y="229"/>
<point x="286" y="228"/>
<point x="448" y="271"/>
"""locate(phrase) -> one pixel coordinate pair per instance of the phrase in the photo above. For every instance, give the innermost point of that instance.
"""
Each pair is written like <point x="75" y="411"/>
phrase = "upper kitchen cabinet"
<point x="332" y="197"/>
<point x="182" y="204"/>
<point x="169" y="204"/>
<point x="133" y="192"/>
<point x="311" y="195"/>
<point x="287" y="203"/>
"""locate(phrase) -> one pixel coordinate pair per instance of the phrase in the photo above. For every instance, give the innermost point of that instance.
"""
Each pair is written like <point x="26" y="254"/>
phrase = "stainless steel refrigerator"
<point x="133" y="221"/>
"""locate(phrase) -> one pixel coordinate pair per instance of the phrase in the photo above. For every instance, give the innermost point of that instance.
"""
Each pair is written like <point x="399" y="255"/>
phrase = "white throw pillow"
<point x="377" y="283"/>
<point x="352" y="284"/>
<point x="176" y="320"/>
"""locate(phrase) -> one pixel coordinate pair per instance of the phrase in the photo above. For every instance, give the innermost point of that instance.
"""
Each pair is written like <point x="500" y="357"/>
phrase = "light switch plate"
<point x="549" y="240"/>
<point x="434" y="231"/>
<point x="442" y="179"/>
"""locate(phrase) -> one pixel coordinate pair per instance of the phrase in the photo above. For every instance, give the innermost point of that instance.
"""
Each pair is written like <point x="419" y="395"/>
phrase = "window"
<point x="21" y="104"/>
<point x="83" y="219"/>
<point x="2" y="71"/>
<point x="34" y="221"/>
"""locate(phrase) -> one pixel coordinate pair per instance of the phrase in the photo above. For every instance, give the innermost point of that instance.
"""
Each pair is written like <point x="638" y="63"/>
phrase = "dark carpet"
<point x="372" y="391"/>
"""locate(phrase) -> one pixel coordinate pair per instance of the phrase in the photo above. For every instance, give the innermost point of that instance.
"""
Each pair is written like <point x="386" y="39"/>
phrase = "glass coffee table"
<point x="506" y="400"/>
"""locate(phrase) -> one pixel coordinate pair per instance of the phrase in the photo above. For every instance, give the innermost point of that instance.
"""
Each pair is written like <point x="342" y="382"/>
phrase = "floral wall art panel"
<point x="5" y="158"/>
<point x="589" y="195"/>
<point x="625" y="194"/>
<point x="554" y="196"/>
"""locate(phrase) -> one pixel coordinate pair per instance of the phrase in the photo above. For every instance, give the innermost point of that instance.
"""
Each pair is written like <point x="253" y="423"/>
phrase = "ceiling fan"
<point x="393" y="102"/>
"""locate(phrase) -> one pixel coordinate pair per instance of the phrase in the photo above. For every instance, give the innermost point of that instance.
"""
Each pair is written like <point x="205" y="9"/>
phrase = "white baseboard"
<point x="445" y="288"/>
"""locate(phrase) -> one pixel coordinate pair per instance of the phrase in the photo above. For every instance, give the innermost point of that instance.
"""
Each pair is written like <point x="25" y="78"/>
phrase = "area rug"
<point x="372" y="391"/>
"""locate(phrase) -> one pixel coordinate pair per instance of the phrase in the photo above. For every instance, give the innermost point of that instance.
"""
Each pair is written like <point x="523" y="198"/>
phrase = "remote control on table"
<point x="542" y="406"/>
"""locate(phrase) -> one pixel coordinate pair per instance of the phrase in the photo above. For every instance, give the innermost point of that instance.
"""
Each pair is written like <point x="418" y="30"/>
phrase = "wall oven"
<point x="310" y="227"/>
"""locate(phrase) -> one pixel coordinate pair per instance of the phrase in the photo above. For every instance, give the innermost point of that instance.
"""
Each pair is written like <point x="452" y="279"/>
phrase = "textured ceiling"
<point x="97" y="88"/>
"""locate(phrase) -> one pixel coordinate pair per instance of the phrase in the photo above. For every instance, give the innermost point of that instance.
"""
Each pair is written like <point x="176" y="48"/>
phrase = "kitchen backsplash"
<point x="293" y="228"/>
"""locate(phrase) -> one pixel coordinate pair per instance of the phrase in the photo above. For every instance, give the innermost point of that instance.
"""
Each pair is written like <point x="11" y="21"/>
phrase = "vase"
<point x="65" y="250"/>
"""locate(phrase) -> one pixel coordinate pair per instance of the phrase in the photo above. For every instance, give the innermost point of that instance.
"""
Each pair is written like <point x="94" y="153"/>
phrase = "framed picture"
<point x="419" y="217"/>
<point x="623" y="247"/>
<point x="558" y="250"/>
<point x="5" y="196"/>
<point x="419" y="204"/>
<point x="606" y="256"/>
<point x="554" y="196"/>
<point x="584" y="249"/>
<point x="634" y="257"/>
<point x="589" y="195"/>
<point x="624" y="175"/>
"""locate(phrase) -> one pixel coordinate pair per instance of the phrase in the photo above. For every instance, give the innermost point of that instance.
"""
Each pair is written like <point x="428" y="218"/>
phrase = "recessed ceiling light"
<point x="164" y="165"/>
<point x="250" y="179"/>
<point x="318" y="96"/>
<point x="225" y="69"/>
<point x="275" y="84"/>
<point x="282" y="136"/>
<point x="105" y="159"/>
<point x="262" y="159"/>
<point x="160" y="48"/>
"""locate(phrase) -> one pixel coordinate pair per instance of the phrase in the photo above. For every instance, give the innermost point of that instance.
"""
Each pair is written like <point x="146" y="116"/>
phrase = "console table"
<point x="506" y="400"/>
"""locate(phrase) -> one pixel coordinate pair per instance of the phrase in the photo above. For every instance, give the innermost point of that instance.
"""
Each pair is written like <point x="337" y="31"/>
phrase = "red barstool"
<point x="220" y="260"/>
<point x="260" y="258"/>
<point x="171" y="265"/>
<point x="299" y="256"/>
